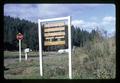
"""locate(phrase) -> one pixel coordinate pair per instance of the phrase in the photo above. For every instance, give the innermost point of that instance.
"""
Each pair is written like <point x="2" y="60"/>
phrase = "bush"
<point x="101" y="59"/>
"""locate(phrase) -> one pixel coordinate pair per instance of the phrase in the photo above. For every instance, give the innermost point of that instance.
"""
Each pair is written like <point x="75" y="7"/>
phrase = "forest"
<point x="12" y="26"/>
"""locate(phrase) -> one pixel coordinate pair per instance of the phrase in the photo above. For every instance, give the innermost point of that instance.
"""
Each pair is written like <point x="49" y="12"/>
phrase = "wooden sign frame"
<point x="69" y="42"/>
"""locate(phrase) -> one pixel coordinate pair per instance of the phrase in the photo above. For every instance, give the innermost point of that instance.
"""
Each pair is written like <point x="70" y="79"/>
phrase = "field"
<point x="94" y="61"/>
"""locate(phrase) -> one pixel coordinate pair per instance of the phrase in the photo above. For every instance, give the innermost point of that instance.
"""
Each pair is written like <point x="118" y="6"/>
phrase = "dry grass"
<point x="94" y="61"/>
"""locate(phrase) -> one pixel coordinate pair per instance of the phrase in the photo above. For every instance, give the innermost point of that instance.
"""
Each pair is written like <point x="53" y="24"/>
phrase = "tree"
<point x="12" y="26"/>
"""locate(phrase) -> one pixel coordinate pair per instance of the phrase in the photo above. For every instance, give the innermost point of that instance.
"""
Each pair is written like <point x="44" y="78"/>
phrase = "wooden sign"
<point x="54" y="38"/>
<point x="54" y="33"/>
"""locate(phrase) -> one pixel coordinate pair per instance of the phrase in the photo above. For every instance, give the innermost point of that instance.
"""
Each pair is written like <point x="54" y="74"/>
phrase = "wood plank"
<point x="49" y="37"/>
<point x="60" y="37"/>
<point x="47" y="43"/>
<point x="54" y="24"/>
<point x="54" y="34"/>
<point x="54" y="29"/>
<point x="55" y="37"/>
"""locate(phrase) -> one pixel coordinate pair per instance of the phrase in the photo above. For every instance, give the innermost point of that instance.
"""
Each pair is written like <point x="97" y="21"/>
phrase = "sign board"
<point x="19" y="36"/>
<point x="54" y="33"/>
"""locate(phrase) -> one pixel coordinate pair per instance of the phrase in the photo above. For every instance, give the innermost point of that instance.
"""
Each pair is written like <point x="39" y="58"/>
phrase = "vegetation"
<point x="93" y="56"/>
<point x="93" y="61"/>
<point x="12" y="26"/>
<point x="15" y="54"/>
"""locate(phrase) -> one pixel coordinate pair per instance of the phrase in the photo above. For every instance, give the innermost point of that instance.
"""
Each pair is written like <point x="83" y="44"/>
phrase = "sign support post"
<point x="26" y="56"/>
<point x="40" y="47"/>
<point x="19" y="50"/>
<point x="69" y="47"/>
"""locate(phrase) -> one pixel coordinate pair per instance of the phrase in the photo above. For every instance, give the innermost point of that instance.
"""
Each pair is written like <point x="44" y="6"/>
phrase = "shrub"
<point x="101" y="59"/>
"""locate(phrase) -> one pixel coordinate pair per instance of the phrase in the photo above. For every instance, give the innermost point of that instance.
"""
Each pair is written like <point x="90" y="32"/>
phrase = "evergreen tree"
<point x="12" y="26"/>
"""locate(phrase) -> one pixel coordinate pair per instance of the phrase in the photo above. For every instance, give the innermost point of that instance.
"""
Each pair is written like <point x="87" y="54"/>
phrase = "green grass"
<point x="94" y="61"/>
<point x="15" y="54"/>
<point x="9" y="54"/>
<point x="30" y="69"/>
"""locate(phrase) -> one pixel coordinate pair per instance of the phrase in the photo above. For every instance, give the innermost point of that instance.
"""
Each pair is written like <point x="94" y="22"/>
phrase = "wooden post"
<point x="19" y="50"/>
<point x="25" y="55"/>
<point x="40" y="46"/>
<point x="69" y="47"/>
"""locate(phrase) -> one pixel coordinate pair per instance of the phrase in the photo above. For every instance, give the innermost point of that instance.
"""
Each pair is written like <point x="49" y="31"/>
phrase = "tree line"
<point x="12" y="26"/>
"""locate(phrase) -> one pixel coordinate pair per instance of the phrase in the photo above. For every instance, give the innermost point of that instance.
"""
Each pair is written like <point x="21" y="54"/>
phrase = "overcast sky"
<point x="83" y="15"/>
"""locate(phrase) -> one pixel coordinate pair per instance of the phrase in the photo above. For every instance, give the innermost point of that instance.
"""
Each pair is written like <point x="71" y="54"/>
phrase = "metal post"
<point x="69" y="47"/>
<point x="19" y="50"/>
<point x="40" y="46"/>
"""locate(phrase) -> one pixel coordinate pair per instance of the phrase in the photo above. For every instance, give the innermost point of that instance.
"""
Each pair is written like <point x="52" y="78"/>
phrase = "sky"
<point x="85" y="16"/>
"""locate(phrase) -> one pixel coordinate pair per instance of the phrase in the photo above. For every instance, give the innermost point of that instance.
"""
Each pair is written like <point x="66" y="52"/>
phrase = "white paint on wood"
<point x="19" y="50"/>
<point x="25" y="55"/>
<point x="54" y="19"/>
<point x="40" y="46"/>
<point x="69" y="47"/>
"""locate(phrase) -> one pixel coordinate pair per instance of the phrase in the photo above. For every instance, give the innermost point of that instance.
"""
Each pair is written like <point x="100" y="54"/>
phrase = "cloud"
<point x="106" y="23"/>
<point x="85" y="24"/>
<point x="78" y="22"/>
<point x="108" y="20"/>
<point x="109" y="24"/>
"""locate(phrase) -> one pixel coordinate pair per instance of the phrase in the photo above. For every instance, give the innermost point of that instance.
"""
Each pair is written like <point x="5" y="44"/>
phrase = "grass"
<point x="52" y="68"/>
<point x="94" y="61"/>
<point x="15" y="54"/>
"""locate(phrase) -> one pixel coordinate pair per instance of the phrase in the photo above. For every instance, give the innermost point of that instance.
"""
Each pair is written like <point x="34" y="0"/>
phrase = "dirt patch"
<point x="30" y="70"/>
<point x="16" y="71"/>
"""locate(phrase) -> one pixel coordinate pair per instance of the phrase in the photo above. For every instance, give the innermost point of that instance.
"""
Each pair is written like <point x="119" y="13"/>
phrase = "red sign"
<point x="19" y="36"/>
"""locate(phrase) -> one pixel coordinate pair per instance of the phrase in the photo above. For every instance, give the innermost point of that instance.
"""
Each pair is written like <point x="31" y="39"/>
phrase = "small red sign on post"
<point x="19" y="36"/>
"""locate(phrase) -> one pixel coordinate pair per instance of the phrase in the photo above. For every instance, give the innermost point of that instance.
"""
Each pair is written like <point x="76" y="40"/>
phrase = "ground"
<point x="94" y="61"/>
<point x="55" y="65"/>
